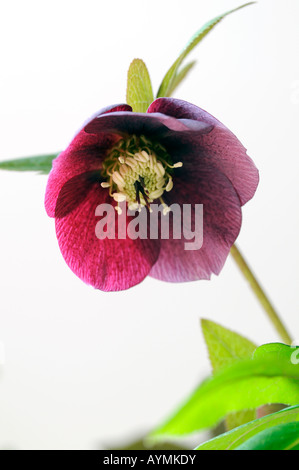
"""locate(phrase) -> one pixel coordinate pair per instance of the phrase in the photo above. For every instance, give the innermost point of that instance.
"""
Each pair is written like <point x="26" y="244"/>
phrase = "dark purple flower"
<point x="176" y="153"/>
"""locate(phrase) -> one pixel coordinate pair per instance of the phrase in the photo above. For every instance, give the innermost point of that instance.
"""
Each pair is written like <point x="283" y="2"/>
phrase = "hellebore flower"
<point x="176" y="153"/>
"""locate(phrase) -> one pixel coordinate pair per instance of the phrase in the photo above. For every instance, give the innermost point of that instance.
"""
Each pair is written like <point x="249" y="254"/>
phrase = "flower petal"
<point x="155" y="125"/>
<point x="221" y="225"/>
<point x="74" y="191"/>
<point x="220" y="147"/>
<point x="85" y="153"/>
<point x="106" y="264"/>
<point x="106" y="110"/>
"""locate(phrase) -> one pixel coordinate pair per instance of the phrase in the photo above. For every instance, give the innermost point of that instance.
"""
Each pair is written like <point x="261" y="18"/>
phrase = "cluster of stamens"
<point x="138" y="171"/>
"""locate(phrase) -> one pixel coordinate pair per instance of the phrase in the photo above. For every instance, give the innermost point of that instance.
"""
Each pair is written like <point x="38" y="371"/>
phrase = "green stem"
<point x="260" y="294"/>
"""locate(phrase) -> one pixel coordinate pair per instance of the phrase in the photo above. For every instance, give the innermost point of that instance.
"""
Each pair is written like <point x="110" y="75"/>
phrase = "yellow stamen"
<point x="138" y="171"/>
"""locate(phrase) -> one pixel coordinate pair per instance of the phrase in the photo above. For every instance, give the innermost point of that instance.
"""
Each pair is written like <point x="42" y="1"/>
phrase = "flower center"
<point x="138" y="171"/>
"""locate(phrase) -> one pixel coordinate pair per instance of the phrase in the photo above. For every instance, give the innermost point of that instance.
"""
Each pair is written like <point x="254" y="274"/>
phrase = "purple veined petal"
<point x="107" y="264"/>
<point x="154" y="125"/>
<point x="84" y="154"/>
<point x="115" y="108"/>
<point x="220" y="147"/>
<point x="74" y="191"/>
<point x="222" y="219"/>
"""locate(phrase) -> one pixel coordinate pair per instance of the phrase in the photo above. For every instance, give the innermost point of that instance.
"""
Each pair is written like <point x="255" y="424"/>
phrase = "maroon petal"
<point x="84" y="154"/>
<point x="154" y="125"/>
<point x="219" y="148"/>
<point x="221" y="225"/>
<point x="106" y="110"/>
<point x="74" y="191"/>
<point x="107" y="264"/>
<point x="69" y="164"/>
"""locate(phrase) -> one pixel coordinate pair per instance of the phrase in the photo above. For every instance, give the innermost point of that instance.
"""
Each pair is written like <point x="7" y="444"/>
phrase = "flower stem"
<point x="260" y="294"/>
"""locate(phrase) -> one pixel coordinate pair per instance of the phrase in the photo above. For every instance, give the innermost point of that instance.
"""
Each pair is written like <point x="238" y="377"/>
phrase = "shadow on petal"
<point x="74" y="191"/>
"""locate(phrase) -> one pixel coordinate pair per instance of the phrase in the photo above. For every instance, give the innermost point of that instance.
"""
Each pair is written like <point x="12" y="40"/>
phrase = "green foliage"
<point x="226" y="347"/>
<point x="41" y="164"/>
<point x="281" y="351"/>
<point x="170" y="80"/>
<point x="245" y="384"/>
<point x="180" y="76"/>
<point x="282" y="437"/>
<point x="139" y="87"/>
<point x="240" y="436"/>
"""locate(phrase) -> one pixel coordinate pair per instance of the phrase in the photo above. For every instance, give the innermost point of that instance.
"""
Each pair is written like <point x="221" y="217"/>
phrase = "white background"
<point x="85" y="369"/>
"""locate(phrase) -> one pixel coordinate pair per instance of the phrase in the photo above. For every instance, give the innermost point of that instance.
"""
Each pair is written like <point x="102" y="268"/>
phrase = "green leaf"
<point x="244" y="385"/>
<point x="281" y="351"/>
<point x="281" y="437"/>
<point x="226" y="347"/>
<point x="139" y="87"/>
<point x="233" y="439"/>
<point x="166" y="86"/>
<point x="233" y="420"/>
<point x="180" y="76"/>
<point x="42" y="164"/>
